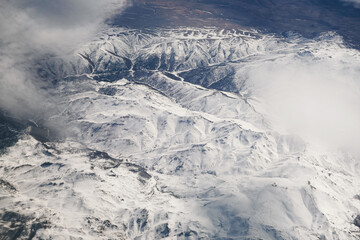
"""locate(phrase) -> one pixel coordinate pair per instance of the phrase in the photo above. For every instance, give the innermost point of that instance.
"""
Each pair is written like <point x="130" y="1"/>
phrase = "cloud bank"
<point x="316" y="97"/>
<point x="34" y="28"/>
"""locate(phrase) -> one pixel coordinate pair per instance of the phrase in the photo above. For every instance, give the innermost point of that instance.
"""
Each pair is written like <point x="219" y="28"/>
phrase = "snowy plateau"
<point x="166" y="138"/>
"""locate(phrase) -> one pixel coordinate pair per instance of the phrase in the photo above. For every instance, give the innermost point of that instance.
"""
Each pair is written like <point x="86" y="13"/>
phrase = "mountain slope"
<point x="166" y="138"/>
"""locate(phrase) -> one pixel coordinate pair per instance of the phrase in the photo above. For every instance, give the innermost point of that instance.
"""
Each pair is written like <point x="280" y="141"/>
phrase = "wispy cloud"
<point x="32" y="28"/>
<point x="355" y="3"/>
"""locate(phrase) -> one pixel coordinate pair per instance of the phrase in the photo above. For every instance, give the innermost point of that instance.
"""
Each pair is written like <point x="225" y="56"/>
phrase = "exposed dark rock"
<point x="99" y="154"/>
<point x="172" y="76"/>
<point x="108" y="91"/>
<point x="48" y="184"/>
<point x="357" y="221"/>
<point x="187" y="234"/>
<point x="143" y="174"/>
<point x="150" y="63"/>
<point x="16" y="226"/>
<point x="10" y="130"/>
<point x="41" y="134"/>
<point x="142" y="219"/>
<point x="162" y="231"/>
<point x="37" y="226"/>
<point x="46" y="164"/>
<point x="7" y="186"/>
<point x="98" y="225"/>
<point x="50" y="147"/>
<point x="47" y="153"/>
<point x="108" y="224"/>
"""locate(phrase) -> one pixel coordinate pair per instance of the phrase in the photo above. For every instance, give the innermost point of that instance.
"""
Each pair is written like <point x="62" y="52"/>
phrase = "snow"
<point x="154" y="157"/>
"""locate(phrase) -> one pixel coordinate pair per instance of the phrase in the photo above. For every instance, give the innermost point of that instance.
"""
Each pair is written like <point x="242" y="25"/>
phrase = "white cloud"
<point x="316" y="98"/>
<point x="31" y="28"/>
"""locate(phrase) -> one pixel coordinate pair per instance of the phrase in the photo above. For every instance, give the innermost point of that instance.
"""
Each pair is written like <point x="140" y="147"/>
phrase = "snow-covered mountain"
<point x="167" y="137"/>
